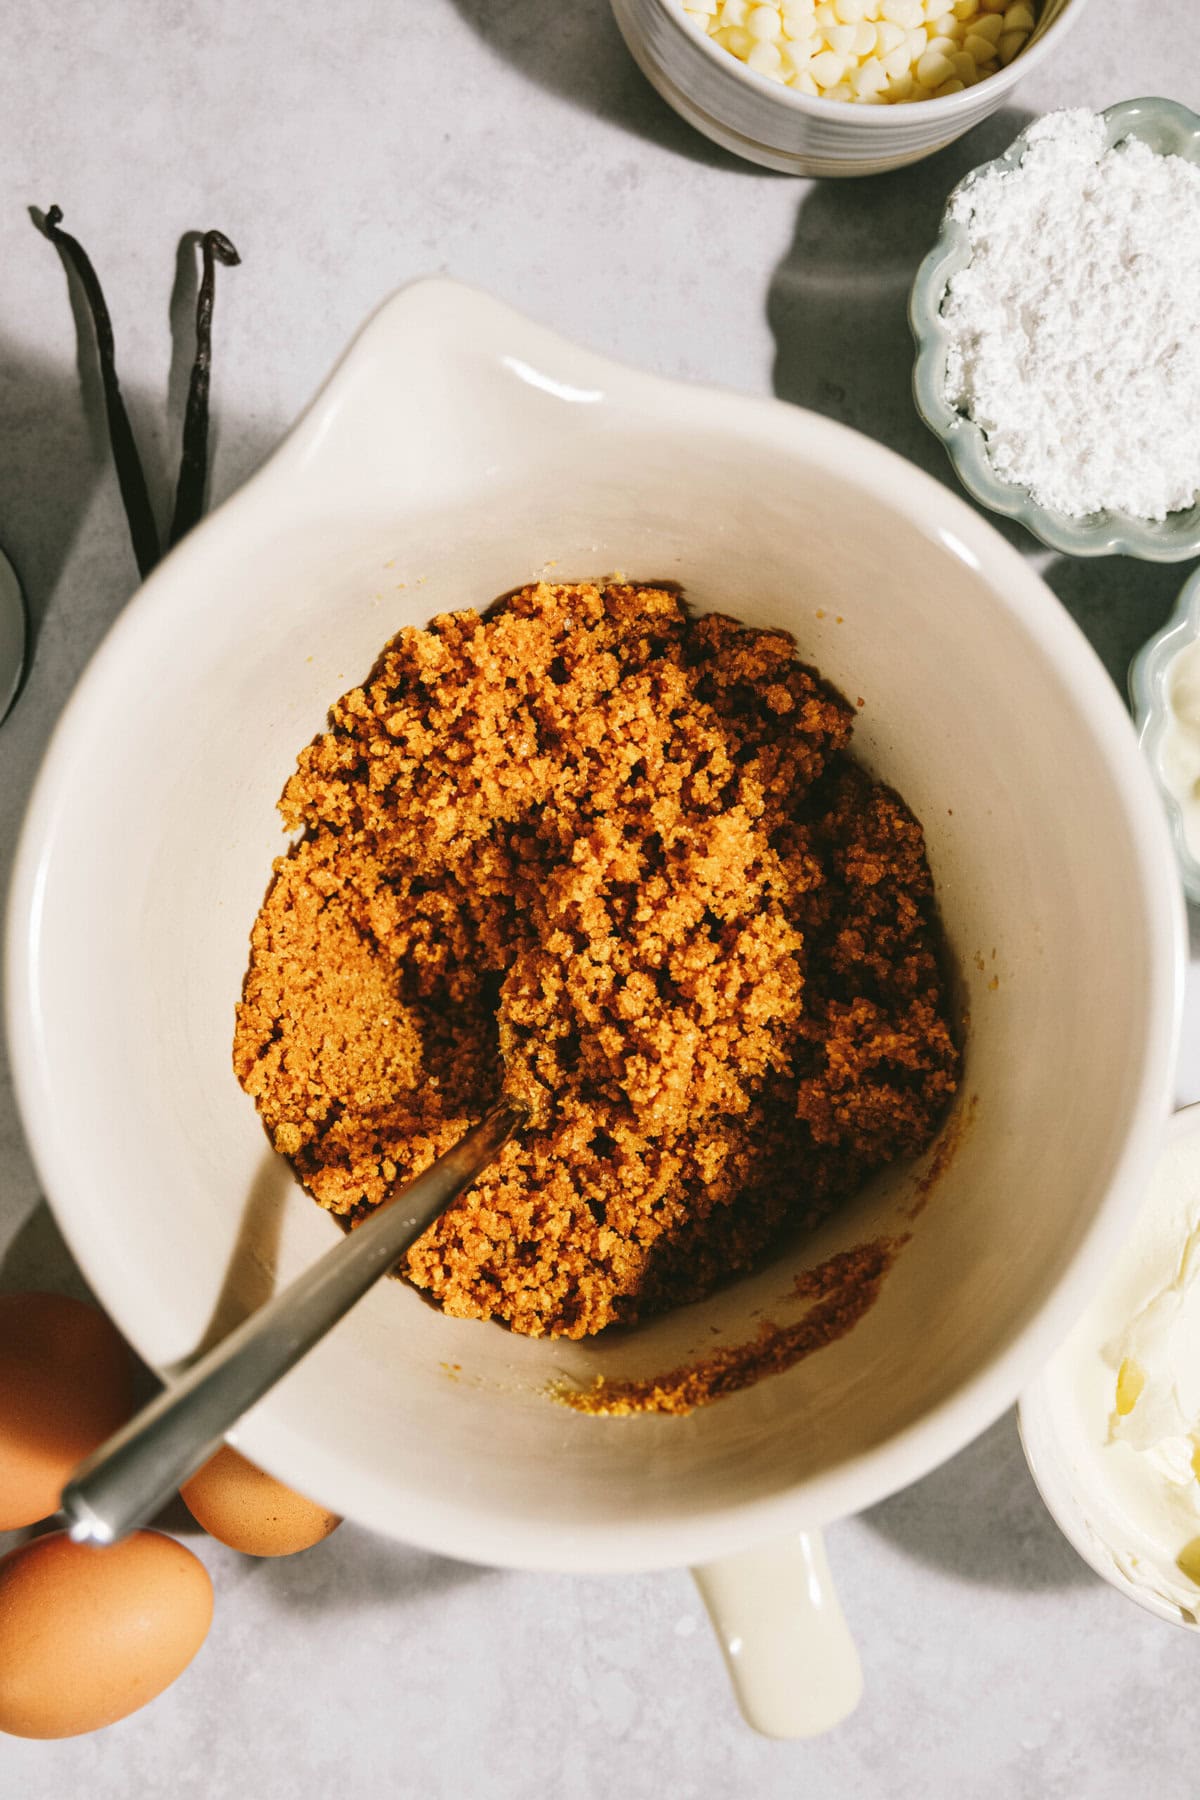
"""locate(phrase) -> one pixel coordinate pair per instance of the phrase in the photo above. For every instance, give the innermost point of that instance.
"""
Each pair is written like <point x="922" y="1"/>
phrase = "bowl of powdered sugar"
<point x="1057" y="321"/>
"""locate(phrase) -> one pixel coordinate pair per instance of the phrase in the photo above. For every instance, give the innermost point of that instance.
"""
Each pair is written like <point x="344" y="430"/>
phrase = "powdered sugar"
<point x="1075" y="328"/>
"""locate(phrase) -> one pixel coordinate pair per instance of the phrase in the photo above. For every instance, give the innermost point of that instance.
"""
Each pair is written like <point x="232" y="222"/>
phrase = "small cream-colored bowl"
<point x="1156" y="679"/>
<point x="767" y="123"/>
<point x="1063" y="1418"/>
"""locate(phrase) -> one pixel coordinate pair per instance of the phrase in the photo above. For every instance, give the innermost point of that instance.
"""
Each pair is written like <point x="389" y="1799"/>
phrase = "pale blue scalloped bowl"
<point x="1169" y="129"/>
<point x="1149" y="693"/>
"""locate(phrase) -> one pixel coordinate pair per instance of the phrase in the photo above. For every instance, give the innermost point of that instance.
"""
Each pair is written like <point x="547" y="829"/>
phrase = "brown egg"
<point x="251" y="1511"/>
<point x="65" y="1385"/>
<point x="87" y="1636"/>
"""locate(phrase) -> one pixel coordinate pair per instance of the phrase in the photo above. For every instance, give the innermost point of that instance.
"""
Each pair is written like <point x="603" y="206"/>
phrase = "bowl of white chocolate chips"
<point x="839" y="87"/>
<point x="1057" y="324"/>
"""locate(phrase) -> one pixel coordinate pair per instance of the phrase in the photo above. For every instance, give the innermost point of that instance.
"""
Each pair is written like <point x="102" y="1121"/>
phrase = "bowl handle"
<point x="790" y="1656"/>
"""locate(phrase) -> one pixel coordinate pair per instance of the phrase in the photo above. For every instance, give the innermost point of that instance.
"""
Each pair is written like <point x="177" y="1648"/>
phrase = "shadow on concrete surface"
<point x="37" y="1258"/>
<point x="980" y="1518"/>
<point x="578" y="53"/>
<point x="838" y="302"/>
<point x="357" y="1570"/>
<point x="1117" y="602"/>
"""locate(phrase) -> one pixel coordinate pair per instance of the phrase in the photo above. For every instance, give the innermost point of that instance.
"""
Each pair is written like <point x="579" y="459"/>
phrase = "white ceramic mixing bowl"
<point x="460" y="450"/>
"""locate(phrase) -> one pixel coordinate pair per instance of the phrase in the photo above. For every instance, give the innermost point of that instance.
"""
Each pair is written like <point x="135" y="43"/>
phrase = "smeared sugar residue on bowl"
<point x="841" y="1291"/>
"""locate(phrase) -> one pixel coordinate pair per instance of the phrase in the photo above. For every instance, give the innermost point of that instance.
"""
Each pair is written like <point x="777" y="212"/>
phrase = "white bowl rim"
<point x="447" y="311"/>
<point x="1148" y="673"/>
<point x="872" y="118"/>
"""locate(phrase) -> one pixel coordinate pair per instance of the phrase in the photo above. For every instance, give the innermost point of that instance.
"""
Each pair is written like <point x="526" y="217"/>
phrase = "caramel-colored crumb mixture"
<point x="840" y="1291"/>
<point x="618" y="863"/>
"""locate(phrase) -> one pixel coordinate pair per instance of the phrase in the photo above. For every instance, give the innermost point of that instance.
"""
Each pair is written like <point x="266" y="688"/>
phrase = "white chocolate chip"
<point x="870" y="51"/>
<point x="933" y="68"/>
<point x="764" y="24"/>
<point x="739" y="43"/>
<point x="869" y="77"/>
<point x="765" y="59"/>
<point x="827" y="69"/>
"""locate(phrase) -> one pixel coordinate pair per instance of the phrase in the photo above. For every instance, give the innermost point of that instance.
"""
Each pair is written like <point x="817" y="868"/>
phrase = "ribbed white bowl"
<point x="770" y="124"/>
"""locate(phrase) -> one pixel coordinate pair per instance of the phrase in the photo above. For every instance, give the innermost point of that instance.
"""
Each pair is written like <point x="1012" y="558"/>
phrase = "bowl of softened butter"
<point x="1164" y="690"/>
<point x="1111" y="1427"/>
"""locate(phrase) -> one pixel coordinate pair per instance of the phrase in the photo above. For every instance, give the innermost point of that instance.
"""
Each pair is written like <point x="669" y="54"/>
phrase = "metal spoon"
<point x="14" y="632"/>
<point x="128" y="1479"/>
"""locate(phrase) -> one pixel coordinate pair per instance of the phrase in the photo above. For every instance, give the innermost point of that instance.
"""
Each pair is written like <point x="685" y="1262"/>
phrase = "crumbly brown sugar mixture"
<point x="617" y="862"/>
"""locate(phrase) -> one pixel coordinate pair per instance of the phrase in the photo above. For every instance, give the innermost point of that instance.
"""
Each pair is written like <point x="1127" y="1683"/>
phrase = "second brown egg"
<point x="250" y="1511"/>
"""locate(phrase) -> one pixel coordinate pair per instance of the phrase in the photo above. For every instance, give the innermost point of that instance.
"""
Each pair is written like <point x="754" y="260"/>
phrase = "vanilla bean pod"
<point x="193" y="466"/>
<point x="130" y="475"/>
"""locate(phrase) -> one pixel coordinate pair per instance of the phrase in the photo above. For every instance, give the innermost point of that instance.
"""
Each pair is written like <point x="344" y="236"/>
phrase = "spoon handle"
<point x="129" y="1478"/>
